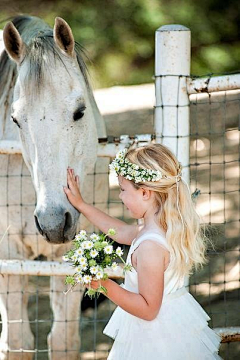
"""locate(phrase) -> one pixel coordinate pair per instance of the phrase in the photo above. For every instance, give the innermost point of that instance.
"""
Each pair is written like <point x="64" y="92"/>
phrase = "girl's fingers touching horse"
<point x="73" y="183"/>
<point x="71" y="176"/>
<point x="73" y="179"/>
<point x="69" y="181"/>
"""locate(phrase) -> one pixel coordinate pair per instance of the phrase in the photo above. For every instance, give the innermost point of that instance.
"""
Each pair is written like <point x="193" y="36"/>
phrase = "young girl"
<point x="156" y="317"/>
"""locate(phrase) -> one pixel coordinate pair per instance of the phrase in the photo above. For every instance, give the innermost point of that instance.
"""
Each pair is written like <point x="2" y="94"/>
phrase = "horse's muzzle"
<point x="56" y="225"/>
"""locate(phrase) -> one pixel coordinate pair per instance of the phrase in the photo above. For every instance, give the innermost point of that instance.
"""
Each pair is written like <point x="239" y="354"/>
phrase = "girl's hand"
<point x="95" y="284"/>
<point x="72" y="190"/>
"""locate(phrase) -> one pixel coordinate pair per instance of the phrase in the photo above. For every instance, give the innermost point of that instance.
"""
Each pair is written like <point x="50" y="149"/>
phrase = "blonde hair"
<point x="187" y="243"/>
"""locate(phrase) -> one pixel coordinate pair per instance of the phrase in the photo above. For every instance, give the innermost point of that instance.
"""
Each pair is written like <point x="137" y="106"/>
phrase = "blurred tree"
<point x="119" y="34"/>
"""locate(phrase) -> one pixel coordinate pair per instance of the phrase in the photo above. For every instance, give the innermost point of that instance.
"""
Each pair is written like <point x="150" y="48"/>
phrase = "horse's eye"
<point x="79" y="113"/>
<point x="15" y="121"/>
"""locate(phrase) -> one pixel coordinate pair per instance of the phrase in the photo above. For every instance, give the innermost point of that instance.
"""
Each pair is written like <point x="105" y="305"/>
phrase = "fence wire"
<point x="214" y="168"/>
<point x="214" y="171"/>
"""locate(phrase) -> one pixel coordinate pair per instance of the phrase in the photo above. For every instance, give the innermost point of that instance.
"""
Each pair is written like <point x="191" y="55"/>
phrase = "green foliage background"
<point x="119" y="34"/>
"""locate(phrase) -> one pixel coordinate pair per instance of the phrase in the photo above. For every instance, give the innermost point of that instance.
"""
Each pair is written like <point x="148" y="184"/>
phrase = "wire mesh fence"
<point x="214" y="171"/>
<point x="214" y="165"/>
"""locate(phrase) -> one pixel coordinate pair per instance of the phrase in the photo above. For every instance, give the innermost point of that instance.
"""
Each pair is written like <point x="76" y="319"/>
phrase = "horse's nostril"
<point x="68" y="222"/>
<point x="37" y="225"/>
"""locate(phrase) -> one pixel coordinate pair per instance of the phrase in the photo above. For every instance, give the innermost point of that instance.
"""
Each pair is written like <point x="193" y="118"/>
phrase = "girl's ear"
<point x="146" y="194"/>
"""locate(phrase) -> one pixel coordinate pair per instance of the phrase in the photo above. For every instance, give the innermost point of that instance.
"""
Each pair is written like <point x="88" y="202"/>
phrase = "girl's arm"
<point x="125" y="233"/>
<point x="150" y="269"/>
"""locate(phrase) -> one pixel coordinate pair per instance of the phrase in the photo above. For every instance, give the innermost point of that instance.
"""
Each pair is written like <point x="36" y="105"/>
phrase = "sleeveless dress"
<point x="179" y="332"/>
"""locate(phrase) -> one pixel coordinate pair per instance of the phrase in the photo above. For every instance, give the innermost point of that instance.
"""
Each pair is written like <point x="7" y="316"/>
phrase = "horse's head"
<point x="52" y="107"/>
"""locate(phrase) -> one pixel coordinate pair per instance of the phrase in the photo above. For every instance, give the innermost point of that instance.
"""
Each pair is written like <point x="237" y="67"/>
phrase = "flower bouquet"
<point x="91" y="256"/>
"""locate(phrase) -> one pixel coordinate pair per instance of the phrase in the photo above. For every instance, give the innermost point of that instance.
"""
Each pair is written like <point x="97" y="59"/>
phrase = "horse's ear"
<point x="63" y="36"/>
<point x="14" y="45"/>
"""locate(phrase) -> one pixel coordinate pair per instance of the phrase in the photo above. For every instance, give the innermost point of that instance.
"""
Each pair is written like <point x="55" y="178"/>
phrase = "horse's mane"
<point x="38" y="37"/>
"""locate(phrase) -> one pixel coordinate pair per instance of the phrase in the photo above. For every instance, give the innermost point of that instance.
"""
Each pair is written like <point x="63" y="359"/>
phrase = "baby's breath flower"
<point x="89" y="244"/>
<point x="119" y="251"/>
<point x="79" y="278"/>
<point x="87" y="279"/>
<point x="116" y="167"/>
<point x="114" y="266"/>
<point x="84" y="244"/>
<point x="81" y="236"/>
<point x="93" y="253"/>
<point x="79" y="252"/>
<point x="99" y="275"/>
<point x="84" y="267"/>
<point x="74" y="257"/>
<point x="82" y="260"/>
<point x="121" y="154"/>
<point x="108" y="249"/>
<point x="94" y="269"/>
<point x="94" y="237"/>
<point x="128" y="177"/>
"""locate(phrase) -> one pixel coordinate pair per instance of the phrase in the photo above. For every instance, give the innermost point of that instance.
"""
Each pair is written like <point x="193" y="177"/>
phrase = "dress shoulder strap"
<point x="151" y="236"/>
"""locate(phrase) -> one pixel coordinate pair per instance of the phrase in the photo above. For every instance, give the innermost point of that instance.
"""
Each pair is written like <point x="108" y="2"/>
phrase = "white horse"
<point x="45" y="98"/>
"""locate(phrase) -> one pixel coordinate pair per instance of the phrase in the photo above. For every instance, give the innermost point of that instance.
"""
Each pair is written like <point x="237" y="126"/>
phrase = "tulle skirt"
<point x="179" y="332"/>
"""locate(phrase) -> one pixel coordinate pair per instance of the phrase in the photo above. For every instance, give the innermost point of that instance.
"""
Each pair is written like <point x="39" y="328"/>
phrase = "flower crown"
<point x="124" y="167"/>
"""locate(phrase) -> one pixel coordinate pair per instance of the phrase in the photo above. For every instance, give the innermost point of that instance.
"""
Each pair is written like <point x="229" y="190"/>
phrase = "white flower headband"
<point x="122" y="166"/>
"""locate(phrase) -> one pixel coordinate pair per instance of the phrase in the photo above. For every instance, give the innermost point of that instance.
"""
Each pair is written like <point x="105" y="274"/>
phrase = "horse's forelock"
<point x="42" y="51"/>
<point x="41" y="55"/>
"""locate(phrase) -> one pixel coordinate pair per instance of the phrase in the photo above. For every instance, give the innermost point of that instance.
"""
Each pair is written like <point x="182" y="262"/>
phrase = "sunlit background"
<point x="119" y="34"/>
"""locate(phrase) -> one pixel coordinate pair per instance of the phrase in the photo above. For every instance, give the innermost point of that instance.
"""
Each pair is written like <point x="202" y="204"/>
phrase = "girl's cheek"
<point x="123" y="199"/>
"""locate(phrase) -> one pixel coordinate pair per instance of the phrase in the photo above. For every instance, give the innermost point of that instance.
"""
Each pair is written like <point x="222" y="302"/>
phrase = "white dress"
<point x="179" y="332"/>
